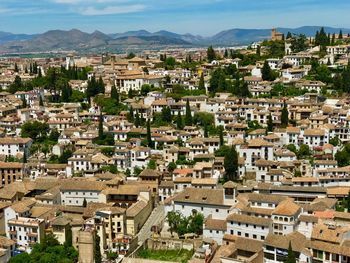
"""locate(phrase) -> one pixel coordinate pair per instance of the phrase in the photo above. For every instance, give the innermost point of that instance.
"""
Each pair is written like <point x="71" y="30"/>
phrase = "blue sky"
<point x="204" y="17"/>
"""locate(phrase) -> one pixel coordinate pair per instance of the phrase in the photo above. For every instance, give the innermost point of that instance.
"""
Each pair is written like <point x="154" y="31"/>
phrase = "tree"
<point x="166" y="114"/>
<point x="114" y="94"/>
<point x="289" y="35"/>
<point x="41" y="102"/>
<point x="35" y="130"/>
<point x="196" y="223"/>
<point x="205" y="131"/>
<point x="291" y="256"/>
<point x="174" y="218"/>
<point x="171" y="167"/>
<point x="304" y="151"/>
<point x="211" y="54"/>
<point x="130" y="116"/>
<point x="292" y="148"/>
<point x="201" y="84"/>
<point x="100" y="126"/>
<point x="226" y="54"/>
<point x="149" y="135"/>
<point x="266" y="72"/>
<point x="54" y="135"/>
<point x="348" y="202"/>
<point x="269" y="123"/>
<point x="340" y="36"/>
<point x="130" y="55"/>
<point x="68" y="237"/>
<point x="221" y="135"/>
<point x="97" y="252"/>
<point x="179" y="123"/>
<point x="284" y="116"/>
<point x="24" y="103"/>
<point x="188" y="114"/>
<point x="152" y="164"/>
<point x="258" y="51"/>
<point x="84" y="202"/>
<point x="16" y="85"/>
<point x="343" y="156"/>
<point x="16" y="67"/>
<point x="335" y="141"/>
<point x="298" y="43"/>
<point x="137" y="120"/>
<point x="231" y="164"/>
<point x="48" y="251"/>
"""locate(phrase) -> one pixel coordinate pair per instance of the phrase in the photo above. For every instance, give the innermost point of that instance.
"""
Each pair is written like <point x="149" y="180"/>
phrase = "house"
<point x="15" y="146"/>
<point x="206" y="201"/>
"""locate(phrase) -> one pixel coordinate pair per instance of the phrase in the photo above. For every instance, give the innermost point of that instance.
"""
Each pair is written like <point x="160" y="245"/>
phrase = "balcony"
<point x="32" y="234"/>
<point x="13" y="232"/>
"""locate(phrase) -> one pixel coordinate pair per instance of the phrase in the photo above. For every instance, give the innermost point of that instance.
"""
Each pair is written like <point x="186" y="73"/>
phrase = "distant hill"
<point x="163" y="33"/>
<point x="148" y="40"/>
<point x="7" y="37"/>
<point x="59" y="40"/>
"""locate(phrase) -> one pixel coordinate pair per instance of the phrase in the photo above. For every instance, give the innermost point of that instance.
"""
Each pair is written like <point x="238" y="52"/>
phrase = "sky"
<point x="204" y="17"/>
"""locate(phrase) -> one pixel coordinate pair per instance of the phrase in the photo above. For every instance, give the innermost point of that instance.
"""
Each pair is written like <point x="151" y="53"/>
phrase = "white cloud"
<point x="110" y="10"/>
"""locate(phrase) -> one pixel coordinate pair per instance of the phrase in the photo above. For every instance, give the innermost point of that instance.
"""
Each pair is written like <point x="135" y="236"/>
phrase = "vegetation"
<point x="182" y="255"/>
<point x="291" y="256"/>
<point x="231" y="164"/>
<point x="343" y="156"/>
<point x="184" y="225"/>
<point x="48" y="251"/>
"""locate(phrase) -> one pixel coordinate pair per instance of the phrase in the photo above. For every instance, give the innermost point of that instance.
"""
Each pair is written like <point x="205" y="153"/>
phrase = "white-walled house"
<point x="15" y="146"/>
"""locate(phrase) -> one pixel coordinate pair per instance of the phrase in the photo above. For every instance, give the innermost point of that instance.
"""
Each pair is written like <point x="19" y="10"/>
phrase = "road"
<point x="156" y="217"/>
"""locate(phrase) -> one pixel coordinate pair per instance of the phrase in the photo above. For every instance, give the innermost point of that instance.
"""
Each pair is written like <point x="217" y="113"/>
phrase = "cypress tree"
<point x="226" y="54"/>
<point x="24" y="103"/>
<point x="284" y="116"/>
<point x="206" y="133"/>
<point x="100" y="126"/>
<point x="179" y="124"/>
<point x="149" y="136"/>
<point x="333" y="39"/>
<point x="258" y="51"/>
<point x="41" y="102"/>
<point x="188" y="115"/>
<point x="269" y="123"/>
<point x="97" y="254"/>
<point x="137" y="120"/>
<point x="114" y="94"/>
<point x="221" y="135"/>
<point x="131" y="114"/>
<point x="291" y="256"/>
<point x="166" y="114"/>
<point x="68" y="236"/>
<point x="130" y="94"/>
<point x="211" y="54"/>
<point x="231" y="164"/>
<point x="266" y="71"/>
<point x="201" y="85"/>
<point x="340" y="36"/>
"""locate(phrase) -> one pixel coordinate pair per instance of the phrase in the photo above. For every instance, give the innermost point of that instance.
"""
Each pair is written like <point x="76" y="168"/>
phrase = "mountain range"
<point x="76" y="40"/>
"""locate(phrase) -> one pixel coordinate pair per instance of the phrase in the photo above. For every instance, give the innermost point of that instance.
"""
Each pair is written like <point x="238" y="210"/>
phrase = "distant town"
<point x="181" y="154"/>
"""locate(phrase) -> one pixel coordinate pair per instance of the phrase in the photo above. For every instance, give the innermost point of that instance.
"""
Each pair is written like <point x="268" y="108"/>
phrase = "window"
<point x="254" y="236"/>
